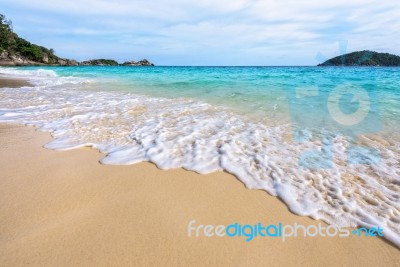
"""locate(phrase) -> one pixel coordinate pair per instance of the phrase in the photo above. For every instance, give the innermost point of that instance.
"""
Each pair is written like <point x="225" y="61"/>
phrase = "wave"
<point x="28" y="73"/>
<point x="194" y="135"/>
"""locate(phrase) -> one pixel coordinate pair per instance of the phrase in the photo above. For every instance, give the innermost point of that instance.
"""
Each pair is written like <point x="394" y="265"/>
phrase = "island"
<point x="364" y="58"/>
<point x="16" y="51"/>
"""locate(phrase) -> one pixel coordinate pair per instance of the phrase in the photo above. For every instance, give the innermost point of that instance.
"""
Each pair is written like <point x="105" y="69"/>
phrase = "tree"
<point x="10" y="25"/>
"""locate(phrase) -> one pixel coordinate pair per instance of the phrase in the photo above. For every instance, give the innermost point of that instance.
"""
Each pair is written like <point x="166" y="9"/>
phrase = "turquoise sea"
<point x="256" y="92"/>
<point x="325" y="140"/>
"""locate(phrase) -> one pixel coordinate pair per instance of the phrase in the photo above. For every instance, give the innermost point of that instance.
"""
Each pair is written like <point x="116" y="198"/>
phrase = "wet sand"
<point x="12" y="82"/>
<point x="66" y="209"/>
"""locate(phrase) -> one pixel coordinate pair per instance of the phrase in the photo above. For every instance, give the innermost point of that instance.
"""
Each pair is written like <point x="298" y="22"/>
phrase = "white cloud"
<point x="228" y="31"/>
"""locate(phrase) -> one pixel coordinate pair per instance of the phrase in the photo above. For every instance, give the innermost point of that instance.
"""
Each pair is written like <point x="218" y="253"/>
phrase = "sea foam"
<point x="194" y="135"/>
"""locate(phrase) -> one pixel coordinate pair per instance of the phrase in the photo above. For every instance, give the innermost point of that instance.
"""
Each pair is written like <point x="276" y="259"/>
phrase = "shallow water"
<point x="325" y="140"/>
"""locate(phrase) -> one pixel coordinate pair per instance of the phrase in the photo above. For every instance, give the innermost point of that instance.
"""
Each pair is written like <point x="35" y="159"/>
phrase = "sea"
<point x="325" y="140"/>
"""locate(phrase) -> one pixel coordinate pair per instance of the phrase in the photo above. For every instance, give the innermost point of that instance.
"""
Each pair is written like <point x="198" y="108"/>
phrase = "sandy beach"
<point x="12" y="83"/>
<point x="207" y="133"/>
<point x="66" y="209"/>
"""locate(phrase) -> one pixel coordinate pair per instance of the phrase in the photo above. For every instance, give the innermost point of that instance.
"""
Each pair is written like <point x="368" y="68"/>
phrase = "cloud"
<point x="209" y="32"/>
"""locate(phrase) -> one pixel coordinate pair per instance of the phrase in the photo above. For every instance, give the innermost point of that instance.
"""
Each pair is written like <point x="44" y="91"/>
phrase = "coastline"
<point x="64" y="208"/>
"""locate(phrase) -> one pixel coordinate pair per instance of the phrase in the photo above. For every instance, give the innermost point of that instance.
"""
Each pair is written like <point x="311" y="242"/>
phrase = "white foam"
<point x="28" y="73"/>
<point x="175" y="133"/>
<point x="42" y="77"/>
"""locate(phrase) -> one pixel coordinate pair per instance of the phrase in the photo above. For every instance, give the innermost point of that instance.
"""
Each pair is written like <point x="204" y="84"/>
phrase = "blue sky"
<point x="207" y="32"/>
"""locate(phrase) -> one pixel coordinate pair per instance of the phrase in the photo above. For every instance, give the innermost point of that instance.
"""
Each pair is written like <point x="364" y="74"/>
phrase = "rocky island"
<point x="111" y="62"/>
<point x="143" y="62"/>
<point x="364" y="58"/>
<point x="16" y="51"/>
<point x="99" y="62"/>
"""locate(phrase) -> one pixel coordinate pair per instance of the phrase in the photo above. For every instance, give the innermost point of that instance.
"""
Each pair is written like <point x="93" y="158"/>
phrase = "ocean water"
<point x="324" y="140"/>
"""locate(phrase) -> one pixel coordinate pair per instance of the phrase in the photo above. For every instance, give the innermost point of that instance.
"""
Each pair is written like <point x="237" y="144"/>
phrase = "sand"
<point x="12" y="82"/>
<point x="66" y="209"/>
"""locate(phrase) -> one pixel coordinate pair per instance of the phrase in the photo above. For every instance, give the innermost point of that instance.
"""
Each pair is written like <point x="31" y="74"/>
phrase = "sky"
<point x="208" y="32"/>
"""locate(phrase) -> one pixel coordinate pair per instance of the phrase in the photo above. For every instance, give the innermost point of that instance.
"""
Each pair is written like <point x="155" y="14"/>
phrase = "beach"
<point x="63" y="208"/>
<point x="208" y="133"/>
<point x="12" y="82"/>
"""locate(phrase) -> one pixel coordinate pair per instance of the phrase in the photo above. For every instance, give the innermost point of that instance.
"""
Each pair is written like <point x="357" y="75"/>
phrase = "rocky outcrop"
<point x="16" y="51"/>
<point x="17" y="60"/>
<point x="14" y="60"/>
<point x="143" y="62"/>
<point x="73" y="63"/>
<point x="45" y="58"/>
<point x="111" y="62"/>
<point x="67" y="62"/>
<point x="99" y="62"/>
<point x="5" y="60"/>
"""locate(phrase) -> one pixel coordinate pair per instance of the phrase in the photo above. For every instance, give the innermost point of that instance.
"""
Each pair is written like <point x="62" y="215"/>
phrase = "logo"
<point x="337" y="106"/>
<point x="279" y="230"/>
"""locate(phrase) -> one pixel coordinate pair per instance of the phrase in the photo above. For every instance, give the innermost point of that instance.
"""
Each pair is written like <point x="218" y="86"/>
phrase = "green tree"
<point x="14" y="45"/>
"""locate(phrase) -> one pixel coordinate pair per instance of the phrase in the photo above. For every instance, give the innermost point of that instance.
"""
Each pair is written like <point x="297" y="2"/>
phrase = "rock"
<point x="73" y="63"/>
<point x="5" y="62"/>
<point x="18" y="60"/>
<point x="100" y="62"/>
<point x="4" y="55"/>
<point x="45" y="58"/>
<point x="143" y="62"/>
<point x="62" y="62"/>
<point x="12" y="60"/>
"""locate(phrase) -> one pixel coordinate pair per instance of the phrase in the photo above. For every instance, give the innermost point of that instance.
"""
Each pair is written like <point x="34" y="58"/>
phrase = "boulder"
<point x="62" y="62"/>
<point x="4" y="55"/>
<point x="73" y="63"/>
<point x="45" y="58"/>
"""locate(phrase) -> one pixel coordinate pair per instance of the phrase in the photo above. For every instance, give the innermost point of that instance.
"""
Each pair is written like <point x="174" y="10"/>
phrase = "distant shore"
<point x="7" y="60"/>
<point x="66" y="209"/>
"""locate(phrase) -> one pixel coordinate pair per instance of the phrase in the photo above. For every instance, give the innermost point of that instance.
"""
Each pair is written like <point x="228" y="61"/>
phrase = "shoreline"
<point x="65" y="208"/>
<point x="57" y="211"/>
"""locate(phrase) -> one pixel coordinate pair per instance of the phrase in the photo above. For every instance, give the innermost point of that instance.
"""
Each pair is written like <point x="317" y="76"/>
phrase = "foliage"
<point x="364" y="58"/>
<point x="15" y="45"/>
